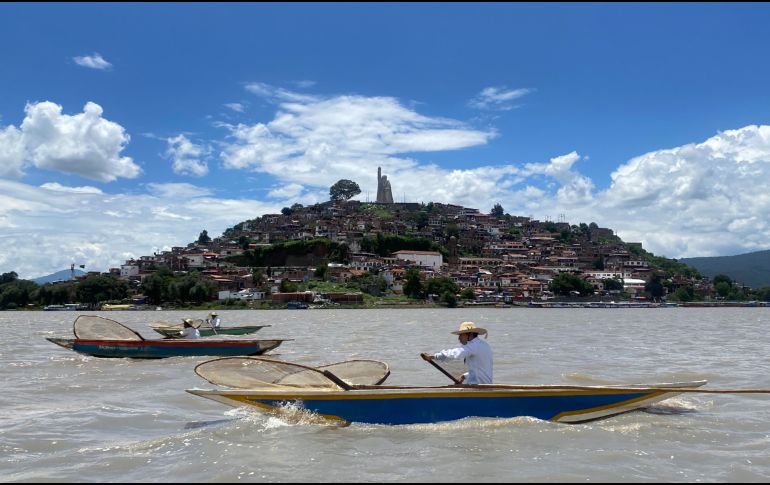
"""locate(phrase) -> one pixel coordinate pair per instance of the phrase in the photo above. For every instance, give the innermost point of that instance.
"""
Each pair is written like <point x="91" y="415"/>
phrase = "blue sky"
<point x="128" y="128"/>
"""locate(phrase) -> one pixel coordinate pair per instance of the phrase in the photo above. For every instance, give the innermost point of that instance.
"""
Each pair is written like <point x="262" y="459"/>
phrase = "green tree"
<point x="722" y="278"/>
<point x="654" y="288"/>
<point x="449" y="299"/>
<point x="8" y="277"/>
<point x="497" y="211"/>
<point x="612" y="284"/>
<point x="96" y="289"/>
<point x="288" y="286"/>
<point x="441" y="285"/>
<point x="320" y="272"/>
<point x="155" y="286"/>
<point x="344" y="189"/>
<point x="413" y="286"/>
<point x="468" y="294"/>
<point x="204" y="238"/>
<point x="565" y="283"/>
<point x="723" y="288"/>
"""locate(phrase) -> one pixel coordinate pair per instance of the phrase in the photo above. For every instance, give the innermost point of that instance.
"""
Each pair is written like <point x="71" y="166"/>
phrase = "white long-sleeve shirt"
<point x="190" y="333"/>
<point x="478" y="358"/>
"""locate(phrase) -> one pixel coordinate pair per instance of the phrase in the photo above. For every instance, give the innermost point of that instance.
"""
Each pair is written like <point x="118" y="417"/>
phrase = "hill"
<point x="63" y="275"/>
<point x="752" y="269"/>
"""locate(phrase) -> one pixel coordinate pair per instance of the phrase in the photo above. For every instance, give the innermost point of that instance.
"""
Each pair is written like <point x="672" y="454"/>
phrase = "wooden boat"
<point x="161" y="348"/>
<point x="337" y="398"/>
<point x="175" y="331"/>
<point x="410" y="405"/>
<point x="102" y="337"/>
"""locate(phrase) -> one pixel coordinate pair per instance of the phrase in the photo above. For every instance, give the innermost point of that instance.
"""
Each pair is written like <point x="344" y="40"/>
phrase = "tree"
<point x="204" y="238"/>
<point x="565" y="283"/>
<point x="497" y="211"/>
<point x="468" y="294"/>
<point x="344" y="189"/>
<point x="413" y="285"/>
<point x="655" y="288"/>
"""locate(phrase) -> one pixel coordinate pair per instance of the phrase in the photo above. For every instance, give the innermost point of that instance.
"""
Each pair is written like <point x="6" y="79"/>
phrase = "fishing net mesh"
<point x="250" y="372"/>
<point x="92" y="327"/>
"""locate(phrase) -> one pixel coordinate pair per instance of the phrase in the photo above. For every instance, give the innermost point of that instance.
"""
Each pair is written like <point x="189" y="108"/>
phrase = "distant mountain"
<point x="752" y="269"/>
<point x="63" y="275"/>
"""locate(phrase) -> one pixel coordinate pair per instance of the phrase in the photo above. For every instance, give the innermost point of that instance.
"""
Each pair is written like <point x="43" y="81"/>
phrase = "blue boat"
<point x="161" y="348"/>
<point x="411" y="405"/>
<point x="273" y="385"/>
<point x="102" y="337"/>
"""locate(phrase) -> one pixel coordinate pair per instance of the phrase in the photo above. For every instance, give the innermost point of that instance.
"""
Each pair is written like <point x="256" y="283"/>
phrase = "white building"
<point x="429" y="259"/>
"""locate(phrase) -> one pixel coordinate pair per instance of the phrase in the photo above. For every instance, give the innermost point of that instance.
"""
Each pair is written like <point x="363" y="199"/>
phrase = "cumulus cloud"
<point x="186" y="156"/>
<point x="94" y="61"/>
<point x="84" y="144"/>
<point x="318" y="139"/>
<point x="237" y="107"/>
<point x="103" y="230"/>
<point x="497" y="98"/>
<point x="289" y="191"/>
<point x="12" y="153"/>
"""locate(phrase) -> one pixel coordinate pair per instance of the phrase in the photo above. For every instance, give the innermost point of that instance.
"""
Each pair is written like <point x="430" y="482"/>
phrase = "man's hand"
<point x="426" y="356"/>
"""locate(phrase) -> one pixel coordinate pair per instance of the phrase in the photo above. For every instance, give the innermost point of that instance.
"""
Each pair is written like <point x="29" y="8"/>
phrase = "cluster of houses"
<point x="502" y="258"/>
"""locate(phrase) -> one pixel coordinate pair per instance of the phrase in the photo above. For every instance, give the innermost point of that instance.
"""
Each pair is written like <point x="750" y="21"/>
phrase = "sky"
<point x="129" y="128"/>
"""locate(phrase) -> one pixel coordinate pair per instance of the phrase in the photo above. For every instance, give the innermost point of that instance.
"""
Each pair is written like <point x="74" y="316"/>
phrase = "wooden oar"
<point x="443" y="371"/>
<point x="631" y="388"/>
<point x="336" y="380"/>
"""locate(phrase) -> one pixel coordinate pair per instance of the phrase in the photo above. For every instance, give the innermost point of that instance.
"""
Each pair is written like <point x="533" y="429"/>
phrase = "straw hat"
<point x="192" y="323"/>
<point x="213" y="314"/>
<point x="470" y="327"/>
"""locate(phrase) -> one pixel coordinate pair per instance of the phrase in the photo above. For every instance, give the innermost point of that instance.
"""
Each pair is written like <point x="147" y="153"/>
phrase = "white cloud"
<point x="498" y="98"/>
<point x="312" y="141"/>
<point x="186" y="156"/>
<point x="43" y="230"/>
<point x="84" y="144"/>
<point x="95" y="61"/>
<point x="289" y="191"/>
<point x="12" y="152"/>
<point x="237" y="107"/>
<point x="78" y="190"/>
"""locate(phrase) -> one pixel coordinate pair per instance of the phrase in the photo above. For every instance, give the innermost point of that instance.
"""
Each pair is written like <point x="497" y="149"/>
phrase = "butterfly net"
<point x="253" y="372"/>
<point x="92" y="327"/>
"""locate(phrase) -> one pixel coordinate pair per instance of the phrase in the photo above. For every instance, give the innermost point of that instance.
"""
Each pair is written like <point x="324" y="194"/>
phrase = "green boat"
<point x="175" y="331"/>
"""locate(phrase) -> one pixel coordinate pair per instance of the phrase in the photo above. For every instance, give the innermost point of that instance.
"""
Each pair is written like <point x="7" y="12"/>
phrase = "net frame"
<point x="95" y="327"/>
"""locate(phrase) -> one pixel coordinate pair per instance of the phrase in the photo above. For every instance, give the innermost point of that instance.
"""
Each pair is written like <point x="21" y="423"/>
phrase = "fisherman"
<point x="476" y="353"/>
<point x="213" y="320"/>
<point x="190" y="332"/>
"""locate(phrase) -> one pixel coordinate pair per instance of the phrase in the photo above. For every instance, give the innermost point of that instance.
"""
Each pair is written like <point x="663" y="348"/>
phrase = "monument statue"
<point x="384" y="194"/>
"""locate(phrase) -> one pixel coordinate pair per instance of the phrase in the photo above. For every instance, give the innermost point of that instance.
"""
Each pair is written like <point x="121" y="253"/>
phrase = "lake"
<point x="69" y="417"/>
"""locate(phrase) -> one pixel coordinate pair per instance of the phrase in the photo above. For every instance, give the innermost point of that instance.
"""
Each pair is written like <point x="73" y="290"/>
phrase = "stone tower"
<point x="384" y="194"/>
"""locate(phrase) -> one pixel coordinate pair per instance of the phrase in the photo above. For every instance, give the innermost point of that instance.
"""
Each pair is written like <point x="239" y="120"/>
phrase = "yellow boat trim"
<point x="606" y="406"/>
<point x="356" y="395"/>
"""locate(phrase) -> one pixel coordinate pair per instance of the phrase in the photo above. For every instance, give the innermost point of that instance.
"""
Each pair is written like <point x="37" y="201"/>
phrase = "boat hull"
<point x="432" y="405"/>
<point x="158" y="349"/>
<point x="176" y="332"/>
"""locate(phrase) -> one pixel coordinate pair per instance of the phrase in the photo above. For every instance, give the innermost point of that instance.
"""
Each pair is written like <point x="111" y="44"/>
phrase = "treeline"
<point x="160" y="287"/>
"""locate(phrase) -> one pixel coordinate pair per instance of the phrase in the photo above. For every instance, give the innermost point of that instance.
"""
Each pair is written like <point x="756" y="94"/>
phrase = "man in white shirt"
<point x="476" y="353"/>
<point x="190" y="332"/>
<point x="213" y="320"/>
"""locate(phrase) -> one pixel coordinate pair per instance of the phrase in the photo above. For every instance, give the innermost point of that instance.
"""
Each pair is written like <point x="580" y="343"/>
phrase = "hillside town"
<point x="501" y="258"/>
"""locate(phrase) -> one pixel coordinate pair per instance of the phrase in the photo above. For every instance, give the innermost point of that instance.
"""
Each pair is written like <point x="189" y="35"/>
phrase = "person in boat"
<point x="476" y="353"/>
<point x="190" y="332"/>
<point x="213" y="320"/>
